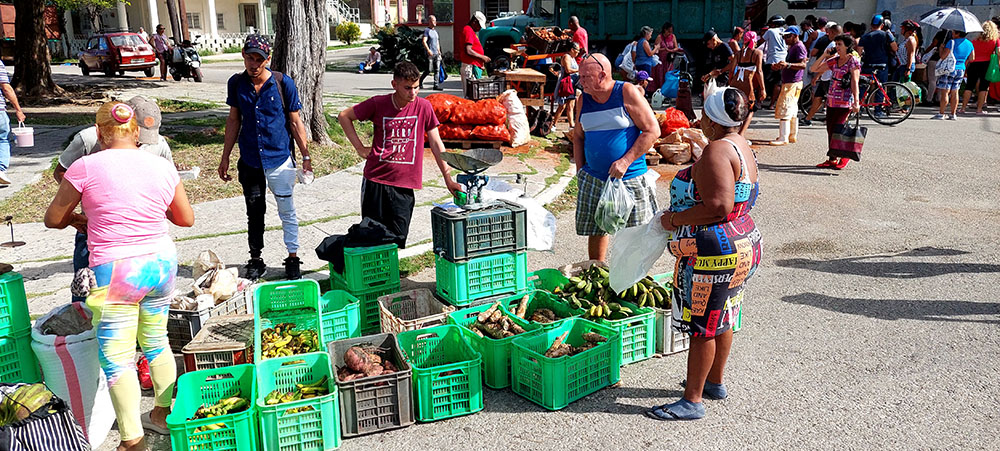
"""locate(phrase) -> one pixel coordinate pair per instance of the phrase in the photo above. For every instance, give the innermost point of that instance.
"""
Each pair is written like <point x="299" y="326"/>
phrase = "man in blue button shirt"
<point x="264" y="115"/>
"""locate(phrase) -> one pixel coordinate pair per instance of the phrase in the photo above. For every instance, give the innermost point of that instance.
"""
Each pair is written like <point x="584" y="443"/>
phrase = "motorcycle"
<point x="186" y="63"/>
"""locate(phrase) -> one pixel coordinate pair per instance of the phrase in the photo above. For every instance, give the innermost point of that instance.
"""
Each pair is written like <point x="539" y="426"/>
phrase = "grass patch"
<point x="65" y="61"/>
<point x="412" y="265"/>
<point x="352" y="46"/>
<point x="57" y="258"/>
<point x="63" y="119"/>
<point x="233" y="49"/>
<point x="566" y="201"/>
<point x="180" y="106"/>
<point x="560" y="169"/>
<point x="206" y="121"/>
<point x="205" y="52"/>
<point x="38" y="295"/>
<point x="29" y="204"/>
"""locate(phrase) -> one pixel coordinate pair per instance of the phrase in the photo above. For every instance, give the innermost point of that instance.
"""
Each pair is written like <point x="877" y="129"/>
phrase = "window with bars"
<point x="220" y="21"/>
<point x="194" y="20"/>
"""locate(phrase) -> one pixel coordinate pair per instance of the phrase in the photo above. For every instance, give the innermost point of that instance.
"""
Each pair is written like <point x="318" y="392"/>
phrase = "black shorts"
<point x="975" y="75"/>
<point x="771" y="77"/>
<point x="821" y="89"/>
<point x="389" y="205"/>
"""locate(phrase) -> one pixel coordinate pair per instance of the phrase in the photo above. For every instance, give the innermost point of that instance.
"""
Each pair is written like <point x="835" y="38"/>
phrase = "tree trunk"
<point x="301" y="54"/>
<point x="175" y="21"/>
<point x="32" y="74"/>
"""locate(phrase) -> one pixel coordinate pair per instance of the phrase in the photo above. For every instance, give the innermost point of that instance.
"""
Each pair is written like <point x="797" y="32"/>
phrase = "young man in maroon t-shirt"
<point x="394" y="161"/>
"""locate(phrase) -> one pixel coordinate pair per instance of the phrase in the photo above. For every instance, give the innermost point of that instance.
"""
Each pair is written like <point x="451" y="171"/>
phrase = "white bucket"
<point x="25" y="136"/>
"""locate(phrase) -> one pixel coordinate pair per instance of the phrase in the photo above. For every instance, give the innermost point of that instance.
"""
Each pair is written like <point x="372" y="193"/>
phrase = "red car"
<point x="118" y="52"/>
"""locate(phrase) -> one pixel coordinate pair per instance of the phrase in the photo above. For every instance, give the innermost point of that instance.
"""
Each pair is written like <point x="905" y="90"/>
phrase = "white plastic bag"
<point x="710" y="87"/>
<point x="541" y="235"/>
<point x="634" y="251"/>
<point x="72" y="372"/>
<point x="517" y="118"/>
<point x="614" y="207"/>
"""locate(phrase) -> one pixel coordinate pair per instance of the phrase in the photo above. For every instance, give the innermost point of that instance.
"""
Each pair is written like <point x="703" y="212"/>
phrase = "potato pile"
<point x="559" y="347"/>
<point x="493" y="323"/>
<point x="365" y="361"/>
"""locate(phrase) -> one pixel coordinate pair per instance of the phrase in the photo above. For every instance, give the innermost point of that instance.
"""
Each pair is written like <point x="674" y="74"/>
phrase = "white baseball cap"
<point x="481" y="18"/>
<point x="831" y="24"/>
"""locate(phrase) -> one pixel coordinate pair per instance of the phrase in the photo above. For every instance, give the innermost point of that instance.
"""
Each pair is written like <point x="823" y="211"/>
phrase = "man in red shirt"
<point x="394" y="161"/>
<point x="579" y="37"/>
<point x="471" y="54"/>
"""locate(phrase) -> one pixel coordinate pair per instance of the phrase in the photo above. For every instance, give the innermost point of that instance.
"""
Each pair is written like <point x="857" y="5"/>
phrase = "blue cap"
<point x="792" y="30"/>
<point x="877" y="19"/>
<point x="642" y="75"/>
<point x="256" y="43"/>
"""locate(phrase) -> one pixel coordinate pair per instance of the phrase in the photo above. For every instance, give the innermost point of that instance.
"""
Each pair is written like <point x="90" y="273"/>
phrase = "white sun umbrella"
<point x="952" y="19"/>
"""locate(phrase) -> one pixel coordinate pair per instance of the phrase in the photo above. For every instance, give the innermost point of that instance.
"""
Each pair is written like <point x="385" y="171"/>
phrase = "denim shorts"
<point x="951" y="81"/>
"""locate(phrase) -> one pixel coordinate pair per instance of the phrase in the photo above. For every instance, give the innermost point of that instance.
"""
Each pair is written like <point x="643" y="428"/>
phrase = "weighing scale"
<point x="472" y="163"/>
<point x="10" y="222"/>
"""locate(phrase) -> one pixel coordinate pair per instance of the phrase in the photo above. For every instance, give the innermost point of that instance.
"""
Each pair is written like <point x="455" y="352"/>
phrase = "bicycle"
<point x="895" y="104"/>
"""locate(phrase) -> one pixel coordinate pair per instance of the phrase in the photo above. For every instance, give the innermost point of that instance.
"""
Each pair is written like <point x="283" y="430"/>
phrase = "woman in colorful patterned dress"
<point x="842" y="98"/>
<point x="128" y="196"/>
<point x="717" y="247"/>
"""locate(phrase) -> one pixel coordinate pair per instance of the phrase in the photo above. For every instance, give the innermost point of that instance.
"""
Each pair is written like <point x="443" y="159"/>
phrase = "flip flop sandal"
<point x="149" y="426"/>
<point x="715" y="392"/>
<point x="664" y="413"/>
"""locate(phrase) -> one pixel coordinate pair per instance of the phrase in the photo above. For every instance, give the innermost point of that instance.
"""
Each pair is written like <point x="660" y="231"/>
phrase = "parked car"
<point x="117" y="53"/>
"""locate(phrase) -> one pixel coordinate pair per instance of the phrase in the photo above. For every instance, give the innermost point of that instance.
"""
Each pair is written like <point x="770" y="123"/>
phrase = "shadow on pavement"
<point x="796" y="169"/>
<point x="893" y="269"/>
<point x="896" y="309"/>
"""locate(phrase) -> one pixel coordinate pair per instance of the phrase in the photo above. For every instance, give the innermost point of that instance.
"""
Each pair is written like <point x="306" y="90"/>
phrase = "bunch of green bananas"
<point x="302" y="391"/>
<point x="226" y="406"/>
<point x="22" y="402"/>
<point x="284" y="340"/>
<point x="591" y="291"/>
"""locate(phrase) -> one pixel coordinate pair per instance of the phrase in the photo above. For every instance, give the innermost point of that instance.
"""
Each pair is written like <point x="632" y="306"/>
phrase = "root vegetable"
<point x="522" y="309"/>
<point x="555" y="344"/>
<point x="487" y="314"/>
<point x="357" y="359"/>
<point x="594" y="337"/>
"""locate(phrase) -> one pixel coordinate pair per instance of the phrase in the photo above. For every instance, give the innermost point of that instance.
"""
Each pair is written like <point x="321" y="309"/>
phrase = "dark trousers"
<point x="254" y="192"/>
<point x="81" y="258"/>
<point x="389" y="205"/>
<point x="835" y="118"/>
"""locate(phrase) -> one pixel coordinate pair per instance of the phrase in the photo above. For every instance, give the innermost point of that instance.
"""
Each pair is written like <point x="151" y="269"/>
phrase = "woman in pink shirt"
<point x="128" y="196"/>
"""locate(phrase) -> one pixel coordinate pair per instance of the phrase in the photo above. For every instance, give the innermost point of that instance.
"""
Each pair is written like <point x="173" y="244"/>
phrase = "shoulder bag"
<point x="946" y="65"/>
<point x="993" y="72"/>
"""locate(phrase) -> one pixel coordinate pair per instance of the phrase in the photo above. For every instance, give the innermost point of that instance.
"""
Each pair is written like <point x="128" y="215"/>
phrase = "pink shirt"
<point x="580" y="37"/>
<point x="125" y="195"/>
<point x="397" y="157"/>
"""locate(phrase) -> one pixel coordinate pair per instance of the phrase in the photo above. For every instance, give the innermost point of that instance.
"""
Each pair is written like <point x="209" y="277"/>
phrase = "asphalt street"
<point x="872" y="323"/>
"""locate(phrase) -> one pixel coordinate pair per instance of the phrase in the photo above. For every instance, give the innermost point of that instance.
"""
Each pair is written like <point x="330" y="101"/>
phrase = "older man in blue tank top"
<point x="615" y="128"/>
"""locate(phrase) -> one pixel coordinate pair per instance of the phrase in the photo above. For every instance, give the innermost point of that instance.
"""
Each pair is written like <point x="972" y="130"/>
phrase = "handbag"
<point x="566" y="87"/>
<point x="51" y="427"/>
<point x="848" y="140"/>
<point x="946" y="65"/>
<point x="442" y="75"/>
<point x="993" y="72"/>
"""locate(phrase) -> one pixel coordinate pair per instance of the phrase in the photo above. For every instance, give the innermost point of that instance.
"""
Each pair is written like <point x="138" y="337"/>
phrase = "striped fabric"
<point x="44" y="431"/>
<point x="608" y="134"/>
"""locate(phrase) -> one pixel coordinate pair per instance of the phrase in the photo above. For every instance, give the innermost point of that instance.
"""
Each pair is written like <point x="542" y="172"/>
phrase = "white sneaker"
<point x="4" y="180"/>
<point x="938" y="117"/>
<point x="951" y="117"/>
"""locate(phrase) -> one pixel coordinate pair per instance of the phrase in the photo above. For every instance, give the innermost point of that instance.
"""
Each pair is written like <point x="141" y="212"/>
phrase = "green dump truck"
<point x="616" y="21"/>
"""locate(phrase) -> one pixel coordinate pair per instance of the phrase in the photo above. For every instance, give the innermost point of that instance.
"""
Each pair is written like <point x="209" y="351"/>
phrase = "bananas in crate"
<point x="233" y="404"/>
<point x="283" y="340"/>
<point x="591" y="292"/>
<point x="302" y="391"/>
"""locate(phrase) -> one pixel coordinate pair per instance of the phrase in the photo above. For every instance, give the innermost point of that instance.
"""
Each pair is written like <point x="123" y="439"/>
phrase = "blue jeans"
<point x="81" y="258"/>
<point x="375" y="67"/>
<point x="4" y="141"/>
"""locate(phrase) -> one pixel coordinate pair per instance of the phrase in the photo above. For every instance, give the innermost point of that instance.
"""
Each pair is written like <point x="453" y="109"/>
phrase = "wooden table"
<point x="529" y="84"/>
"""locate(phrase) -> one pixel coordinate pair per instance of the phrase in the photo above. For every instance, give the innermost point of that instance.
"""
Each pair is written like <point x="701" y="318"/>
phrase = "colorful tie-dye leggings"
<point x="131" y="302"/>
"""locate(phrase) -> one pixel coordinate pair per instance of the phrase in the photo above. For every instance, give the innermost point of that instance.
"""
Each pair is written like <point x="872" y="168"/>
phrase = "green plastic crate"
<point x="17" y="360"/>
<point x="341" y="316"/>
<point x="447" y="372"/>
<point x="205" y="388"/>
<point x="462" y="283"/>
<point x="544" y="299"/>
<point x="318" y="429"/>
<point x="368" y="267"/>
<point x="547" y="279"/>
<point x="555" y="383"/>
<point x="459" y="235"/>
<point x="368" y="306"/>
<point x="638" y="333"/>
<point x="13" y="304"/>
<point x="293" y="301"/>
<point x="496" y="353"/>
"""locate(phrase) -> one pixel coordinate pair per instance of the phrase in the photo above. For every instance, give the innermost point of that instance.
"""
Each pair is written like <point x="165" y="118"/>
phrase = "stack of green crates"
<point x="369" y="273"/>
<point x="17" y="360"/>
<point x="479" y="253"/>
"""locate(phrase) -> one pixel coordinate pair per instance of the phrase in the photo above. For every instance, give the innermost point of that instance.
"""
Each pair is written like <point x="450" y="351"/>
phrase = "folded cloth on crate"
<point x="365" y="234"/>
